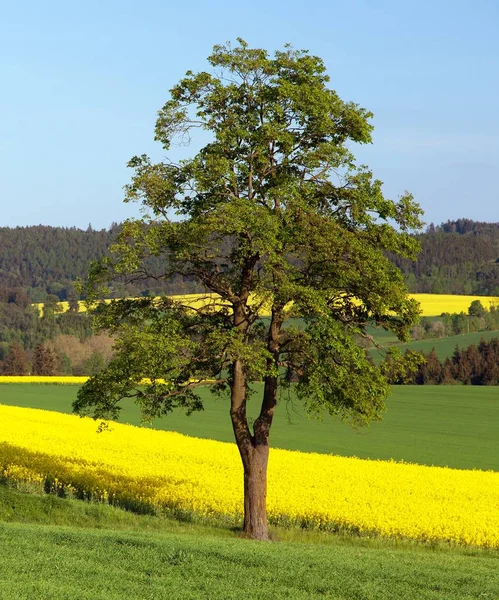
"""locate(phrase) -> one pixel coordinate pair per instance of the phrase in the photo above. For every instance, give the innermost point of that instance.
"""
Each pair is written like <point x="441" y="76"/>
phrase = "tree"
<point x="15" y="361"/>
<point x="44" y="361"/>
<point x="447" y="375"/>
<point x="51" y="306"/>
<point x="477" y="309"/>
<point x="430" y="371"/>
<point x="271" y="216"/>
<point x="94" y="363"/>
<point x="73" y="305"/>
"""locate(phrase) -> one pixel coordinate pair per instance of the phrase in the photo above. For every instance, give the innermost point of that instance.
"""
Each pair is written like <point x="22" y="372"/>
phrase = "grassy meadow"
<point x="61" y="549"/>
<point x="444" y="347"/>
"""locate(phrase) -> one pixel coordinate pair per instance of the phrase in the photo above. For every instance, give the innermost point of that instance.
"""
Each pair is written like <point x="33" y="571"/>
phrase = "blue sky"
<point x="82" y="83"/>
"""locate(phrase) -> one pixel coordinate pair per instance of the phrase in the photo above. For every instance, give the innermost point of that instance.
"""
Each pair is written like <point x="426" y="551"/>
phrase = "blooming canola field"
<point x="143" y="468"/>
<point x="432" y="305"/>
<point x="50" y="379"/>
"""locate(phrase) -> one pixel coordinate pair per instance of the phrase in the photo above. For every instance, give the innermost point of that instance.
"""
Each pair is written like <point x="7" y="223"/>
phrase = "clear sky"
<point x="81" y="83"/>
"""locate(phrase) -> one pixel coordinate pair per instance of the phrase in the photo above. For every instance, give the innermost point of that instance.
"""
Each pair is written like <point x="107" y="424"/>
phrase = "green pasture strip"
<point x="444" y="347"/>
<point x="143" y="560"/>
<point x="455" y="426"/>
<point x="382" y="336"/>
<point x="41" y="562"/>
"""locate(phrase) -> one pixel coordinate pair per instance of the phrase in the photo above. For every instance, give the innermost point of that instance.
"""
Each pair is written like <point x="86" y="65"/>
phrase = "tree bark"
<point x="255" y="494"/>
<point x="254" y="458"/>
<point x="254" y="449"/>
<point x="255" y="477"/>
<point x="254" y="452"/>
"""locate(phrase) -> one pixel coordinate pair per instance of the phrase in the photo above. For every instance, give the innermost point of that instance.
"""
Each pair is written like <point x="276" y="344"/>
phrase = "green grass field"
<point x="107" y="554"/>
<point x="444" y="347"/>
<point x="60" y="549"/>
<point x="455" y="426"/>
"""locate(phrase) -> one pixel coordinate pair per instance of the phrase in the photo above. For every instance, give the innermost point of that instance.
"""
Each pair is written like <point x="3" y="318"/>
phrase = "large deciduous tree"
<point x="271" y="217"/>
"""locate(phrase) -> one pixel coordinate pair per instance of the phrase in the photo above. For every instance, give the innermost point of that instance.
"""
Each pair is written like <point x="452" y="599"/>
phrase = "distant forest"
<point x="41" y="264"/>
<point x="457" y="257"/>
<point x="45" y="261"/>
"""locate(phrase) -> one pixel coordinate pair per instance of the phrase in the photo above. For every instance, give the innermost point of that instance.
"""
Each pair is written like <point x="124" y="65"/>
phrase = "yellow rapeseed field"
<point x="136" y="467"/>
<point x="432" y="305"/>
<point x="62" y="379"/>
<point x="194" y="300"/>
<point x="66" y="379"/>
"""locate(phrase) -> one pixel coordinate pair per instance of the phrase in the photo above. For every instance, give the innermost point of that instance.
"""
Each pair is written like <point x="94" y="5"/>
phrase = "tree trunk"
<point x="254" y="455"/>
<point x="254" y="452"/>
<point x="254" y="449"/>
<point x="256" y="463"/>
<point x="255" y="493"/>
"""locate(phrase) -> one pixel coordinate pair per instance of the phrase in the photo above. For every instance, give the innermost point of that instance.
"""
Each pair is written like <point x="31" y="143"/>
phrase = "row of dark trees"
<point x="477" y="364"/>
<point x="51" y="359"/>
<point x="16" y="362"/>
<point x="45" y="261"/>
<point x="457" y="257"/>
<point x="53" y="344"/>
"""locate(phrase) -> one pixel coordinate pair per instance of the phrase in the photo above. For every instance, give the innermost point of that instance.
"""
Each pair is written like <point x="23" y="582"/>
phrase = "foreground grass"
<point x="110" y="554"/>
<point x="455" y="426"/>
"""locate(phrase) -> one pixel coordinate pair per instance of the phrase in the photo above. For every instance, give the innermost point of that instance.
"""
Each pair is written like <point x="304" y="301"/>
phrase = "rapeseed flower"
<point x="143" y="468"/>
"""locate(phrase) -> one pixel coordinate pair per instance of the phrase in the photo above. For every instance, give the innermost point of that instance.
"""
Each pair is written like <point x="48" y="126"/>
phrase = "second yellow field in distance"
<point x="432" y="305"/>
